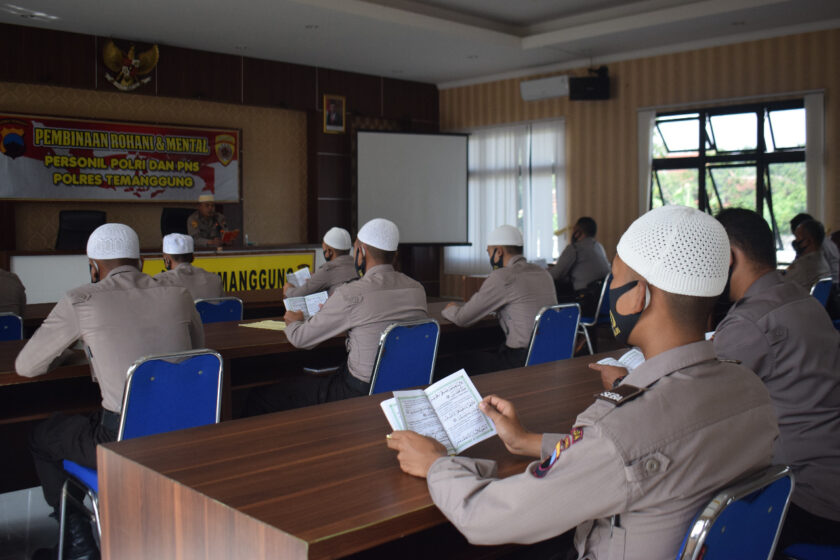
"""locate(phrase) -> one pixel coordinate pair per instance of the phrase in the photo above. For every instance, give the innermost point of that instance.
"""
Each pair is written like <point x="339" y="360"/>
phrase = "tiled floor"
<point x="25" y="525"/>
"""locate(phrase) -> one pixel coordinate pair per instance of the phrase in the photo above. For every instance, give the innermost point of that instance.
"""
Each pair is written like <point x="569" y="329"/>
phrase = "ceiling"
<point x="446" y="42"/>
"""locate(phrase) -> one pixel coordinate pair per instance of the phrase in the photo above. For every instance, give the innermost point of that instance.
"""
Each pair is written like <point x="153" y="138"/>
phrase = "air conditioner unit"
<point x="556" y="86"/>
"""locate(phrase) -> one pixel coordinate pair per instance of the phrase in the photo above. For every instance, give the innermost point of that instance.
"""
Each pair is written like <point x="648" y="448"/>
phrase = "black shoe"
<point x="79" y="543"/>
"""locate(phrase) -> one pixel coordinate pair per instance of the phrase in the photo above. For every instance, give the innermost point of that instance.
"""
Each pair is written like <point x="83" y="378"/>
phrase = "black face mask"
<point x="327" y="258"/>
<point x="95" y="276"/>
<point x="622" y="325"/>
<point x="360" y="266"/>
<point x="575" y="237"/>
<point x="496" y="263"/>
<point x="797" y="246"/>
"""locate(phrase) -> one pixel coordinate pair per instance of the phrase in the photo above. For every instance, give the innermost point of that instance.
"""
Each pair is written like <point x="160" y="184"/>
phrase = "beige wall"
<point x="601" y="135"/>
<point x="273" y="160"/>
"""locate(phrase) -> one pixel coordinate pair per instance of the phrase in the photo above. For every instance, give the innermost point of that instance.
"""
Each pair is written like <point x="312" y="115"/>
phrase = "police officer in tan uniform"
<point x="205" y="225"/>
<point x="781" y="332"/>
<point x="582" y="262"/>
<point x="177" y="258"/>
<point x="339" y="268"/>
<point x="12" y="293"/>
<point x="120" y="317"/>
<point x="362" y="309"/>
<point x="810" y="264"/>
<point x="516" y="291"/>
<point x="643" y="459"/>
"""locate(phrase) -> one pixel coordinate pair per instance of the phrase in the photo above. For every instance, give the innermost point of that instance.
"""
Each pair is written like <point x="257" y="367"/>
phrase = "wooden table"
<point x="316" y="482"/>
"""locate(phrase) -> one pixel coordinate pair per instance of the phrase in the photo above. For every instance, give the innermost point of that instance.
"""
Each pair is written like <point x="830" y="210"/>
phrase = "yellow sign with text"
<point x="246" y="273"/>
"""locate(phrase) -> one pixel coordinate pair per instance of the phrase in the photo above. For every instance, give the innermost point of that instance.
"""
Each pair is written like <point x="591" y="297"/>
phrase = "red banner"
<point x="69" y="159"/>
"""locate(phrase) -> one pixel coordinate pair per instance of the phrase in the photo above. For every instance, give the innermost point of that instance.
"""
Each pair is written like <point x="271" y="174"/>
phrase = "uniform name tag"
<point x="621" y="394"/>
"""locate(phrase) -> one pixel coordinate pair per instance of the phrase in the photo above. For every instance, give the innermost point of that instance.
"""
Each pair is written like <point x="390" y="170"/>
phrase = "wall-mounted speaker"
<point x="589" y="87"/>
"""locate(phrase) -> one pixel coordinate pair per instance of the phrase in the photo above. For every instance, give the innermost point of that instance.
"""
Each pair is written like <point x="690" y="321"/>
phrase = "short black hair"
<point x="512" y="249"/>
<point x="748" y="231"/>
<point x="182" y="258"/>
<point x="814" y="229"/>
<point x="798" y="219"/>
<point x="381" y="255"/>
<point x="588" y="225"/>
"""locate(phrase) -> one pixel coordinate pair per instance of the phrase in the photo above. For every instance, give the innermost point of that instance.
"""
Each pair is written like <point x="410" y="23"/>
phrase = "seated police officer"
<point x="643" y="459"/>
<point x="120" y="317"/>
<point x="581" y="263"/>
<point x="362" y="309"/>
<point x="339" y="268"/>
<point x="516" y="290"/>
<point x="810" y="264"/>
<point x="177" y="259"/>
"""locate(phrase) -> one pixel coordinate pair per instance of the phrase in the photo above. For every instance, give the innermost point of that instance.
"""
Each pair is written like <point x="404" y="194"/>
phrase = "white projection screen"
<point x="418" y="181"/>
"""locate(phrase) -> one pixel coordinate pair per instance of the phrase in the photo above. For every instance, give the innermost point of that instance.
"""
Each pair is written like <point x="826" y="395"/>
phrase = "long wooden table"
<point x="316" y="482"/>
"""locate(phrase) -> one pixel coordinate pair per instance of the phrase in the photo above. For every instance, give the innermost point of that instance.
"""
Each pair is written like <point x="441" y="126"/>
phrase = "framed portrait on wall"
<point x="334" y="116"/>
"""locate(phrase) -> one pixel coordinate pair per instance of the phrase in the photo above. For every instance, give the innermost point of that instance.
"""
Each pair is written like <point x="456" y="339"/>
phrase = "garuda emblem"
<point x="128" y="67"/>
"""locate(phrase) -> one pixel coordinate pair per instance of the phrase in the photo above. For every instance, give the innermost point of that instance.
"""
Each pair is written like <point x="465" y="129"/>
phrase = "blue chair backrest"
<point x="553" y="338"/>
<point x="406" y="356"/>
<point x="11" y="327"/>
<point x="742" y="521"/>
<point x="217" y="310"/>
<point x="171" y="392"/>
<point x="821" y="289"/>
<point x="604" y="311"/>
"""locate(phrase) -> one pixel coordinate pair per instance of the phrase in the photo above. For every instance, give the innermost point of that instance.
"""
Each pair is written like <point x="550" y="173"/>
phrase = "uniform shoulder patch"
<point x="542" y="469"/>
<point x="729" y="361"/>
<point x="621" y="394"/>
<point x="194" y="223"/>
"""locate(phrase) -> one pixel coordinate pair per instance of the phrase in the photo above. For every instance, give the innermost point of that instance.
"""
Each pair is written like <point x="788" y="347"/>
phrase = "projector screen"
<point x="418" y="181"/>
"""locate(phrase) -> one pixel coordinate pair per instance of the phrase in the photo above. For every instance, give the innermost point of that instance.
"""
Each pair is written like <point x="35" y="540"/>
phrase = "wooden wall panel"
<point x="601" y="135"/>
<point x="202" y="75"/>
<point x="46" y="57"/>
<point x="362" y="93"/>
<point x="279" y="84"/>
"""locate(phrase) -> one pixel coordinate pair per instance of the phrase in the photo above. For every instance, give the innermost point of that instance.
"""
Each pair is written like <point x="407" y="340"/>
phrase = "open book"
<point x="446" y="411"/>
<point x="309" y="305"/>
<point x="298" y="278"/>
<point x="228" y="236"/>
<point x="630" y="360"/>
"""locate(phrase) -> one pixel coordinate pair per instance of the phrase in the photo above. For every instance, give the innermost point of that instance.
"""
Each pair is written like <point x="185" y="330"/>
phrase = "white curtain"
<point x="517" y="177"/>
<point x="646" y="120"/>
<point x="815" y="154"/>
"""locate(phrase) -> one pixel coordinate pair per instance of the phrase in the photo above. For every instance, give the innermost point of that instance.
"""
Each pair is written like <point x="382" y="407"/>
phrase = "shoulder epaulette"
<point x="621" y="394"/>
<point x="729" y="361"/>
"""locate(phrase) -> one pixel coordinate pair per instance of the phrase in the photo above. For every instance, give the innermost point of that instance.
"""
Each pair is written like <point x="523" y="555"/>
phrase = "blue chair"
<point x="11" y="327"/>
<point x="603" y="315"/>
<point x="554" y="334"/>
<point x="162" y="394"/>
<point x="812" y="552"/>
<point x="742" y="521"/>
<point x="217" y="310"/>
<point x="406" y="356"/>
<point x="821" y="289"/>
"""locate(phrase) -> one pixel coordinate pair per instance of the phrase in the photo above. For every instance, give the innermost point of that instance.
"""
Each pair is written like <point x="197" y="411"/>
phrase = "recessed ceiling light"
<point x="311" y="26"/>
<point x="241" y="47"/>
<point x="26" y="13"/>
<point x="472" y="56"/>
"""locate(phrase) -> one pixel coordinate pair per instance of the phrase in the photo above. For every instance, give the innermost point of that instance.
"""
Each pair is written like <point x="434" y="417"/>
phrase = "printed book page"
<point x="629" y="360"/>
<point x="297" y="304"/>
<point x="315" y="301"/>
<point x="455" y="400"/>
<point x="299" y="277"/>
<point x="419" y="416"/>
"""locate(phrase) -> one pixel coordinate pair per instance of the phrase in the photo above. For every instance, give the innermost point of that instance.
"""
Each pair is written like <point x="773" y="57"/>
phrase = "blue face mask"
<point x="622" y="325"/>
<point x="496" y="263"/>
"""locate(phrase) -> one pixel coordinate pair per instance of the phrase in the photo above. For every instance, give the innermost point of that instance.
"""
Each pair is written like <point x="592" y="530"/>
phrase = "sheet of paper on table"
<point x="267" y="324"/>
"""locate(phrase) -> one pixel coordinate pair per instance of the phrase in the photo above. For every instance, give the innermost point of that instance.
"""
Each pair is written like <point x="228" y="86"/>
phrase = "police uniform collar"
<point x="764" y="283"/>
<point x="378" y="269"/>
<point x="515" y="260"/>
<point x="670" y="361"/>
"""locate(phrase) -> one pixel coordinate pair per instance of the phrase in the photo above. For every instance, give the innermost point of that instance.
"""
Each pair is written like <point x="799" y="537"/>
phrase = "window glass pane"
<point x="680" y="136"/>
<point x="735" y="186"/>
<point x="788" y="128"/>
<point x="678" y="186"/>
<point x="787" y="181"/>
<point x="734" y="133"/>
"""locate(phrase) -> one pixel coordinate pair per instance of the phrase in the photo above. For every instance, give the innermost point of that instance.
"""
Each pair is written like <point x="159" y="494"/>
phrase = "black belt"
<point x="354" y="382"/>
<point x="110" y="420"/>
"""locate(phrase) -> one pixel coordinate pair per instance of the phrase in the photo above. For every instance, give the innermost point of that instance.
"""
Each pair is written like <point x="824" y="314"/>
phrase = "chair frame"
<point x="818" y="282"/>
<point x="19" y="318"/>
<point x="537" y="324"/>
<point x="701" y="526"/>
<point x="93" y="513"/>
<point x="582" y="326"/>
<point x="223" y="299"/>
<point x="381" y="348"/>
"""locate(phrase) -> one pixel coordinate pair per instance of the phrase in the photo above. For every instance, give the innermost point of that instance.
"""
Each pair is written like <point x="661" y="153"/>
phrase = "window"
<point x="516" y="176"/>
<point x="748" y="156"/>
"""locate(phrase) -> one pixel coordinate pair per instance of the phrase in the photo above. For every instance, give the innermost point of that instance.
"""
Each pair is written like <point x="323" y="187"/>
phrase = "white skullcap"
<point x="338" y="239"/>
<point x="206" y="198"/>
<point x="504" y="236"/>
<point x="380" y="233"/>
<point x="178" y="244"/>
<point x="679" y="250"/>
<point x="113" y="241"/>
